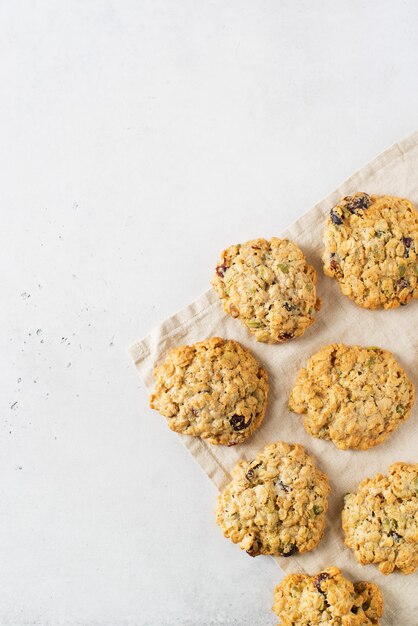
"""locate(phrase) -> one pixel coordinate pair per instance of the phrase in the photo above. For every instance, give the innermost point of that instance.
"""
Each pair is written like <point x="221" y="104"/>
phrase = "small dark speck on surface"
<point x="111" y="344"/>
<point x="19" y="380"/>
<point x="42" y="341"/>
<point x="39" y="331"/>
<point x="13" y="406"/>
<point x="35" y="380"/>
<point x="39" y="286"/>
<point x="68" y="364"/>
<point x="25" y="295"/>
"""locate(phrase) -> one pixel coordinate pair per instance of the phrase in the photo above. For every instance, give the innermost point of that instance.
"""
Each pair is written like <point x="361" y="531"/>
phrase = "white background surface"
<point x="138" y="139"/>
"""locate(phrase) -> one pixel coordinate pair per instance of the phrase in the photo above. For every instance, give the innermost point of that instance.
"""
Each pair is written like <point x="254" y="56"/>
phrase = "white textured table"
<point x="139" y="138"/>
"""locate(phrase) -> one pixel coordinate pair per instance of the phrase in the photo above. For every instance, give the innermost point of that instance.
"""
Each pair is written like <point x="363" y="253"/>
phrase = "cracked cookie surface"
<point x="327" y="599"/>
<point x="213" y="389"/>
<point x="275" y="504"/>
<point x="380" y="520"/>
<point x="269" y="286"/>
<point x="371" y="247"/>
<point x="354" y="396"/>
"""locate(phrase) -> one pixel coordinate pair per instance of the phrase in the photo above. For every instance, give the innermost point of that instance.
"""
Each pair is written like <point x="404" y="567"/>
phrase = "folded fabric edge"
<point x="402" y="147"/>
<point x="184" y="317"/>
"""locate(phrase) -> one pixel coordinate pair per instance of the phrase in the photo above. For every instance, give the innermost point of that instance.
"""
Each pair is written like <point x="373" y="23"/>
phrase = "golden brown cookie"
<point x="371" y="246"/>
<point x="269" y="286"/>
<point x="214" y="389"/>
<point x="380" y="520"/>
<point x="352" y="395"/>
<point x="275" y="504"/>
<point x="327" y="598"/>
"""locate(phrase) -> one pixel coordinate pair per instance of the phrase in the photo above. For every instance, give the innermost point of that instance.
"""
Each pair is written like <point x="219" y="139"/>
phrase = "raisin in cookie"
<point x="380" y="520"/>
<point x="269" y="286"/>
<point x="276" y="503"/>
<point x="371" y="246"/>
<point x="327" y="598"/>
<point x="214" y="389"/>
<point x="352" y="395"/>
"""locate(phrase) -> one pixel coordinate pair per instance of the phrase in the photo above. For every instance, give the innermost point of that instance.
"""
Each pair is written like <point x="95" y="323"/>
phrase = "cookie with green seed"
<point x="380" y="520"/>
<point x="327" y="598"/>
<point x="213" y="389"/>
<point x="276" y="503"/>
<point x="269" y="286"/>
<point x="371" y="249"/>
<point x="353" y="395"/>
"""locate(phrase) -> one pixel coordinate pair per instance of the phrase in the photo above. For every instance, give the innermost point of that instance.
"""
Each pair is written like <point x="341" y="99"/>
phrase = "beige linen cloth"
<point x="394" y="172"/>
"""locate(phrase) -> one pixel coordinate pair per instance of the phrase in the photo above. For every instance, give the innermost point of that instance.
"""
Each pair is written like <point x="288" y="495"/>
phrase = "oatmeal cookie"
<point x="214" y="389"/>
<point x="371" y="247"/>
<point x="275" y="504"/>
<point x="269" y="286"/>
<point x="327" y="598"/>
<point x="380" y="520"/>
<point x="352" y="395"/>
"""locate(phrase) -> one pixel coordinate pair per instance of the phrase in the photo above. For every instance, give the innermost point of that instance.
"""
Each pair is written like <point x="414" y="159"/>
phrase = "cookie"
<point x="269" y="286"/>
<point x="352" y="395"/>
<point x="380" y="520"/>
<point x="276" y="503"/>
<point x="327" y="598"/>
<point x="214" y="389"/>
<point x="371" y="246"/>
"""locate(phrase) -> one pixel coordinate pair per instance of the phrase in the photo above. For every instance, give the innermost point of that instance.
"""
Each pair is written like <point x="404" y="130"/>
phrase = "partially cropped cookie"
<point x="214" y="389"/>
<point x="380" y="520"/>
<point x="269" y="286"/>
<point x="352" y="395"/>
<point x="327" y="598"/>
<point x="371" y="246"/>
<point x="276" y="503"/>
